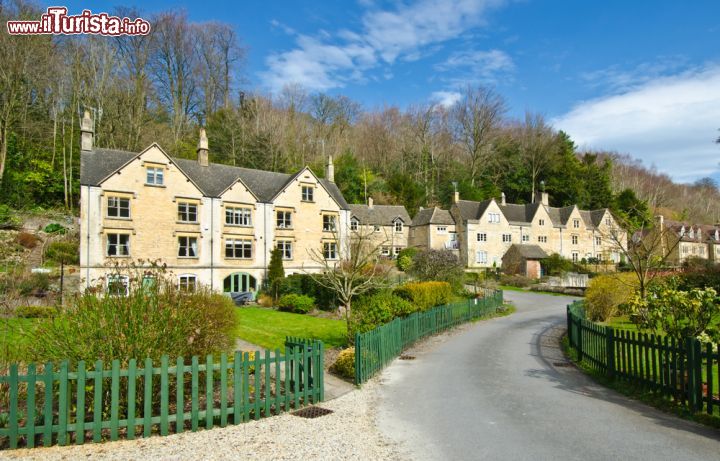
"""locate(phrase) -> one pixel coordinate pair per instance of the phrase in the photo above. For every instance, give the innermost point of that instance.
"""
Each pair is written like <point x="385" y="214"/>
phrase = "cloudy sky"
<point x="640" y="77"/>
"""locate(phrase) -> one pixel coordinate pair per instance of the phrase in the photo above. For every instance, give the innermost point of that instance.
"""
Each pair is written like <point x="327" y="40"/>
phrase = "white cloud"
<point x="445" y="98"/>
<point x="475" y="65"/>
<point x="330" y="60"/>
<point x="669" y="122"/>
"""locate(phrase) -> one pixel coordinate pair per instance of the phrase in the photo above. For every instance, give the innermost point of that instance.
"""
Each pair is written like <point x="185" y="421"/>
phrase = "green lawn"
<point x="268" y="328"/>
<point x="512" y="288"/>
<point x="15" y="336"/>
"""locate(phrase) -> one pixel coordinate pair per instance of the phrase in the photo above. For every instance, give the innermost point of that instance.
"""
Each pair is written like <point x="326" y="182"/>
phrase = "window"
<point x="376" y="228"/>
<point x="118" y="207"/>
<point x="398" y="226"/>
<point x="118" y="244"/>
<point x="599" y="257"/>
<point x="507" y="238"/>
<point x="574" y="239"/>
<point x="575" y="256"/>
<point x="330" y="250"/>
<point x="284" y="219"/>
<point x="238" y="216"/>
<point x="396" y="251"/>
<point x="118" y="285"/>
<point x="607" y="221"/>
<point x="328" y="223"/>
<point x="285" y="247"/>
<point x="481" y="237"/>
<point x="542" y="239"/>
<point x="525" y="238"/>
<point x="598" y="241"/>
<point x="541" y="222"/>
<point x="238" y="249"/>
<point x="481" y="257"/>
<point x="187" y="282"/>
<point x="354" y="224"/>
<point x="576" y="223"/>
<point x="187" y="247"/>
<point x="685" y="249"/>
<point x="441" y="229"/>
<point x="385" y="251"/>
<point x="187" y="212"/>
<point x="307" y="193"/>
<point x="154" y="176"/>
<point x="494" y="218"/>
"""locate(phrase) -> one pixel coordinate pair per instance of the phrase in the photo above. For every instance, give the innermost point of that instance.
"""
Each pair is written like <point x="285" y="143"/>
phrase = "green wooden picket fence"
<point x="51" y="403"/>
<point x="376" y="348"/>
<point x="685" y="371"/>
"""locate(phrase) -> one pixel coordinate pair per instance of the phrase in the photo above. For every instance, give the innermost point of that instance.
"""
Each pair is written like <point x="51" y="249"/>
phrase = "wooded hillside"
<point x="163" y="87"/>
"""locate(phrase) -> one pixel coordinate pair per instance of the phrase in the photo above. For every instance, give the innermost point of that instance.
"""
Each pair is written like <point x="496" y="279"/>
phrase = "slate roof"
<point x="381" y="215"/>
<point x="212" y="180"/>
<point x="433" y="215"/>
<point x="677" y="226"/>
<point x="528" y="251"/>
<point x="472" y="210"/>
<point x="519" y="213"/>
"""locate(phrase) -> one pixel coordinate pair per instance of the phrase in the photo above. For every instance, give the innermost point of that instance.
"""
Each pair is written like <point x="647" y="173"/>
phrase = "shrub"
<point x="369" y="312"/>
<point x="425" y="295"/>
<point x="345" y="364"/>
<point x="151" y="321"/>
<point x="55" y="228"/>
<point x="556" y="265"/>
<point x="304" y="284"/>
<point x="63" y="251"/>
<point x="405" y="258"/>
<point x="300" y="304"/>
<point x="35" y="312"/>
<point x="265" y="300"/>
<point x="606" y="293"/>
<point x="27" y="240"/>
<point x="441" y="265"/>
<point x="7" y="219"/>
<point x="519" y="281"/>
<point x="34" y="283"/>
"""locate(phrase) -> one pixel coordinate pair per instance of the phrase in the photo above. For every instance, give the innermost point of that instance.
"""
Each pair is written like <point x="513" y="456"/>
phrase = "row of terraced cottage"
<point x="217" y="225"/>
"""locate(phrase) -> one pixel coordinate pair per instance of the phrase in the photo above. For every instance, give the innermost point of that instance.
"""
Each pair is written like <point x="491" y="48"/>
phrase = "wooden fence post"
<point x="358" y="366"/>
<point x="694" y="374"/>
<point x="610" y="351"/>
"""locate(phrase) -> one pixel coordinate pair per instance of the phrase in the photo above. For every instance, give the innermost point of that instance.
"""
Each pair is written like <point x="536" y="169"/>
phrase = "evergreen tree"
<point x="276" y="271"/>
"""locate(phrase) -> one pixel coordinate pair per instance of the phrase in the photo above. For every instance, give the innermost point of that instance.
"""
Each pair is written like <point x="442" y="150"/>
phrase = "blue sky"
<point x="639" y="77"/>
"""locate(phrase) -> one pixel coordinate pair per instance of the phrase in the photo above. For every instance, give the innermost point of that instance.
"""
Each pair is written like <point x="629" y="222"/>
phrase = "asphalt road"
<point x="498" y="390"/>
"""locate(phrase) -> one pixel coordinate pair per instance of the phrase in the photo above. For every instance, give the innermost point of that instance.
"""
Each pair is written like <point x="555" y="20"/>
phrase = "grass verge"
<point x="549" y="293"/>
<point x="16" y="334"/>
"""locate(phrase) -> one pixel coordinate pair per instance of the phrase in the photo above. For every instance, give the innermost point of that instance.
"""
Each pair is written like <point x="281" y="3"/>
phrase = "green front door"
<point x="240" y="282"/>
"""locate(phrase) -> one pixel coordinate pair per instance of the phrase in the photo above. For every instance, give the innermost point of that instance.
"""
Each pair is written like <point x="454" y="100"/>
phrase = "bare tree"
<point x="354" y="269"/>
<point x="537" y="142"/>
<point x="476" y="117"/>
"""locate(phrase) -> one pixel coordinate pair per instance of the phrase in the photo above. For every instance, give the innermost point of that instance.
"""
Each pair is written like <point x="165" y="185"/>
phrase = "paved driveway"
<point x="498" y="390"/>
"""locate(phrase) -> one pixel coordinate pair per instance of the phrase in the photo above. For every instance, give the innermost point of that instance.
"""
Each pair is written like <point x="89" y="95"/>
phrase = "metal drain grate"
<point x="562" y="364"/>
<point x="407" y="357"/>
<point x="311" y="412"/>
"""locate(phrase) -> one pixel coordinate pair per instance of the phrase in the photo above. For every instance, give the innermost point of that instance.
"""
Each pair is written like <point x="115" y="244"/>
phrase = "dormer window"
<point x="682" y="231"/>
<point x="354" y="224"/>
<point x="398" y="226"/>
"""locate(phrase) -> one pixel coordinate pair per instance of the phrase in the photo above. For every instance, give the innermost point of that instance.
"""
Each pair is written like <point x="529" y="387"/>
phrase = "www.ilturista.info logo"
<point x="57" y="22"/>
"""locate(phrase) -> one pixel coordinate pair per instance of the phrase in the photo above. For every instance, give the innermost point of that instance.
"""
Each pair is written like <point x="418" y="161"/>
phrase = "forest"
<point x="185" y="75"/>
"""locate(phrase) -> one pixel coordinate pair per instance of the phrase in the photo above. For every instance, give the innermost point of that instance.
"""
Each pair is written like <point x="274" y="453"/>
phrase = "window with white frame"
<point x="118" y="285"/>
<point x="238" y="216"/>
<point x="396" y="251"/>
<point x="376" y="228"/>
<point x="494" y="218"/>
<point x="599" y="257"/>
<point x="187" y="247"/>
<point x="238" y="248"/>
<point x="187" y="282"/>
<point x="154" y="176"/>
<point x="330" y="250"/>
<point x="685" y="249"/>
<point x="441" y="229"/>
<point x="328" y="223"/>
<point x="354" y="224"/>
<point x="118" y="245"/>
<point x="598" y="240"/>
<point x="574" y="239"/>
<point x="575" y="256"/>
<point x="481" y="237"/>
<point x="118" y="207"/>
<point x="542" y="238"/>
<point x="576" y="223"/>
<point x="284" y="219"/>
<point x="385" y="251"/>
<point x="607" y="221"/>
<point x="398" y="226"/>
<point x="481" y="257"/>
<point x="308" y="194"/>
<point x="187" y="212"/>
<point x="286" y="249"/>
<point x="525" y="238"/>
<point x="507" y="238"/>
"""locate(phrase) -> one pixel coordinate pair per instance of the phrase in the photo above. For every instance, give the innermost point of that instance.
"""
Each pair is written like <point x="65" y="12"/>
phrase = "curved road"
<point x="499" y="390"/>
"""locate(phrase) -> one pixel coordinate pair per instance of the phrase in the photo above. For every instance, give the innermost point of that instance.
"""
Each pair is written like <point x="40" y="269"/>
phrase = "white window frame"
<point x="542" y="238"/>
<point x="286" y="248"/>
<point x="354" y="224"/>
<point x="598" y="241"/>
<point x="307" y="193"/>
<point x="398" y="226"/>
<point x="185" y="212"/>
<point x="396" y="251"/>
<point x="574" y="239"/>
<point x="376" y="228"/>
<point x="184" y="282"/>
<point x="124" y="279"/>
<point x="481" y="257"/>
<point x="441" y="229"/>
<point x="507" y="238"/>
<point x="243" y="247"/>
<point x="115" y="202"/>
<point x="481" y="236"/>
<point x="494" y="218"/>
<point x="525" y="238"/>
<point x="576" y="223"/>
<point x="575" y="256"/>
<point x="155" y="176"/>
<point x="283" y="219"/>
<point x="238" y="216"/>
<point x="385" y="250"/>
<point x="329" y="222"/>
<point x="188" y="248"/>
<point x="330" y="251"/>
<point x="118" y="245"/>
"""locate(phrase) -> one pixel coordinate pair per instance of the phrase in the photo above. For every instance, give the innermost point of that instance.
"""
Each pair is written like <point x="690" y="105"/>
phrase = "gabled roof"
<point x="560" y="216"/>
<point x="528" y="251"/>
<point x="212" y="180"/>
<point x="520" y="214"/>
<point x="472" y="210"/>
<point x="380" y="215"/>
<point x="433" y="215"/>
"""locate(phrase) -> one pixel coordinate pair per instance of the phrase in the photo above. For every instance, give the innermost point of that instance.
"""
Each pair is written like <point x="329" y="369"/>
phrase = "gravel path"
<point x="348" y="434"/>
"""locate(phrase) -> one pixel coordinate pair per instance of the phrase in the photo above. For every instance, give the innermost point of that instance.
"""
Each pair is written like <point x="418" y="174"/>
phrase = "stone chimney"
<point x="202" y="149"/>
<point x="370" y="203"/>
<point x="86" y="132"/>
<point x="502" y="199"/>
<point x="456" y="197"/>
<point x="330" y="170"/>
<point x="542" y="197"/>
